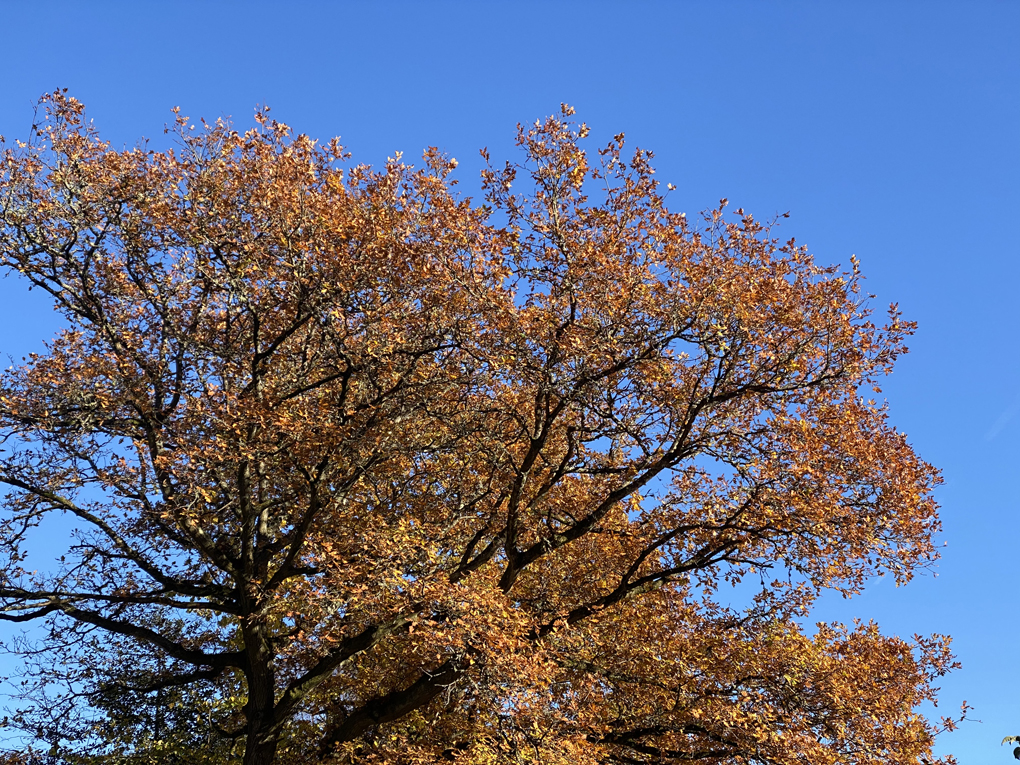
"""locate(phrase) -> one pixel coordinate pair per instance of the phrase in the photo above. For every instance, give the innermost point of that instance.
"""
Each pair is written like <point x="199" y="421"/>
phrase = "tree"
<point x="401" y="478"/>
<point x="132" y="716"/>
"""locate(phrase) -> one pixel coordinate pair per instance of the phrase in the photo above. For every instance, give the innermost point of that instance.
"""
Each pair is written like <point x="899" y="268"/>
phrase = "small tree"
<point x="102" y="702"/>
<point x="399" y="478"/>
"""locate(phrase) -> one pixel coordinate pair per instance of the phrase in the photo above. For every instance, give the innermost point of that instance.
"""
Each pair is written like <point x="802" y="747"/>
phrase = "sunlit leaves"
<point x="413" y="479"/>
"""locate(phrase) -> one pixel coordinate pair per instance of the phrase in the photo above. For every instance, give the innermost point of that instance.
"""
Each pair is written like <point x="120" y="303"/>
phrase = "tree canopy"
<point x="360" y="470"/>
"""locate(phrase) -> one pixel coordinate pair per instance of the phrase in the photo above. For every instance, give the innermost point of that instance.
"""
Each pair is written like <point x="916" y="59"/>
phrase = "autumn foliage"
<point x="363" y="471"/>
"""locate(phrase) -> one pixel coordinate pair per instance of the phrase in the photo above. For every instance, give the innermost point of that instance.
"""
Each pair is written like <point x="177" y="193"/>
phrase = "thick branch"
<point x="363" y="641"/>
<point x="171" y="648"/>
<point x="393" y="705"/>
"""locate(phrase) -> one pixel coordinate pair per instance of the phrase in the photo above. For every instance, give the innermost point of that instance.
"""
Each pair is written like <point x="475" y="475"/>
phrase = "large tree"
<point x="372" y="473"/>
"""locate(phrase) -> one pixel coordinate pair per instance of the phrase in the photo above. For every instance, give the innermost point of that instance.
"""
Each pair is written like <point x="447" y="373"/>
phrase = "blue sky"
<point x="889" y="130"/>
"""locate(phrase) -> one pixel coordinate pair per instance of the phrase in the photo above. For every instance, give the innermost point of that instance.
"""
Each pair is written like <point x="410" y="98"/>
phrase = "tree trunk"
<point x="263" y="734"/>
<point x="260" y="750"/>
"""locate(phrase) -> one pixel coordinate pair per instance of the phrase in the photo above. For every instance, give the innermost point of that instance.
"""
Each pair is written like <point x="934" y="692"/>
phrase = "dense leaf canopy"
<point x="362" y="471"/>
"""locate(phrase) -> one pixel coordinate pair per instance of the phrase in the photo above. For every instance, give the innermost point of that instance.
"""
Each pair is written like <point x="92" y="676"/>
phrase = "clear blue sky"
<point x="888" y="129"/>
